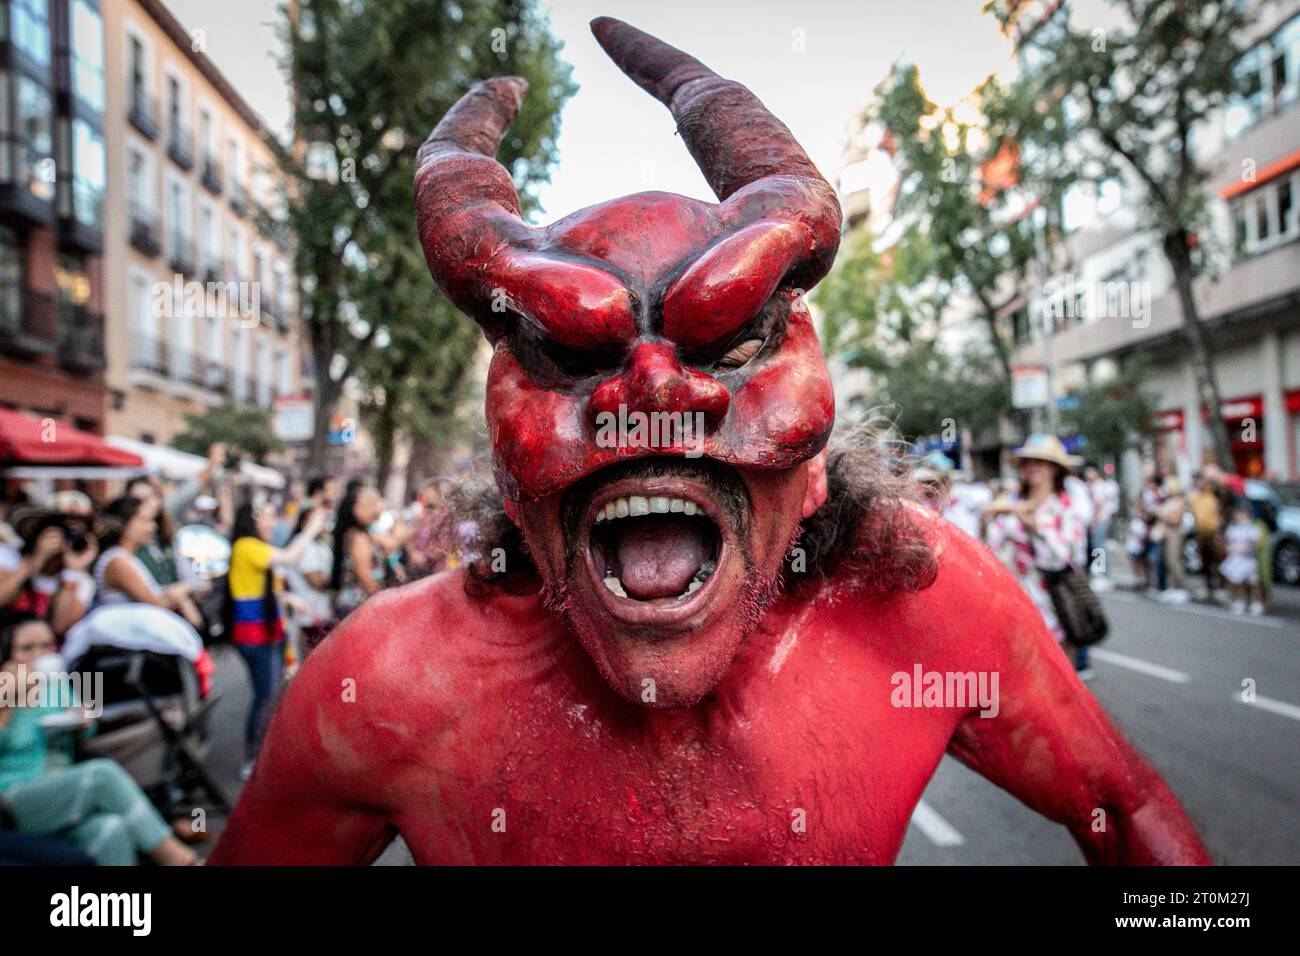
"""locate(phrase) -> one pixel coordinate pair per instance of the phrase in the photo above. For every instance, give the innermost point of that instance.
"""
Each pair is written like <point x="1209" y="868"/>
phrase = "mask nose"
<point x="654" y="381"/>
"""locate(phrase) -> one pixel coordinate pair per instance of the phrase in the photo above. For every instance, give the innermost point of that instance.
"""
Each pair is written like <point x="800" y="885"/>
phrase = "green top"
<point x="22" y="747"/>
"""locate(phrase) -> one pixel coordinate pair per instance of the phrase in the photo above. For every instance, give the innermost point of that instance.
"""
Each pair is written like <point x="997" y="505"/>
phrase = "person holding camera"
<point x="47" y="575"/>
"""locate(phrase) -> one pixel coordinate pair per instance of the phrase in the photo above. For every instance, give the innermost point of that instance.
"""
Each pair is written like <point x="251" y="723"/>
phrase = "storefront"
<point x="1291" y="401"/>
<point x="1244" y="418"/>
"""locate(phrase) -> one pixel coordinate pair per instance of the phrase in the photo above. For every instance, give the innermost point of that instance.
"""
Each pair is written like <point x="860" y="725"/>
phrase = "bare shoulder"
<point x="421" y="634"/>
<point x="399" y="672"/>
<point x="972" y="610"/>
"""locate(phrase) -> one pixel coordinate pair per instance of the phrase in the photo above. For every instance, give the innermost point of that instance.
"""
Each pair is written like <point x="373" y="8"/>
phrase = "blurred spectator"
<point x="1169" y="515"/>
<point x="46" y="574"/>
<point x="93" y="805"/>
<point x="1206" y="505"/>
<point x="432" y="547"/>
<point x="1241" y="566"/>
<point x="1041" y="531"/>
<point x="309" y="580"/>
<point x="255" y="624"/>
<point x="129" y="523"/>
<point x="1104" y="492"/>
<point x="360" y="564"/>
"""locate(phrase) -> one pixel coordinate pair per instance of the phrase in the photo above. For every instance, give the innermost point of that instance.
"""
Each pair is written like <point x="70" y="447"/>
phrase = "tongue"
<point x="658" y="556"/>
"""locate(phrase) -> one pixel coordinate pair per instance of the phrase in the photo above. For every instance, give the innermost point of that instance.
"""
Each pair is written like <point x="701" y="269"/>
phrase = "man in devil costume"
<point x="676" y="654"/>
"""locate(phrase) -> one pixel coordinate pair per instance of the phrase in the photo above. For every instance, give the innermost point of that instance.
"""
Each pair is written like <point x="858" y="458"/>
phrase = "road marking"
<point x="1190" y="608"/>
<point x="936" y="829"/>
<point x="1275" y="706"/>
<point x="1142" y="667"/>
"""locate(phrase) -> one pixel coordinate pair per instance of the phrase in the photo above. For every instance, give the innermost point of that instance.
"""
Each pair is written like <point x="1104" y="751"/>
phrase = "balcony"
<point x="211" y="174"/>
<point x="29" y="324"/>
<point x="213" y="268"/>
<point x="181" y="257"/>
<point x="144" y="230"/>
<point x="238" y="198"/>
<point x="28" y="194"/>
<point x="81" y="345"/>
<point x="180" y="145"/>
<point x="214" y="378"/>
<point x="149" y="355"/>
<point x="143" y="112"/>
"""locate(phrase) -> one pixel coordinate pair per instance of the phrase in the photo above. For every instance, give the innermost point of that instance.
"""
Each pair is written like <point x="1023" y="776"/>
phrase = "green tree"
<point x="245" y="429"/>
<point x="970" y="239"/>
<point x="1136" y="95"/>
<point x="370" y="79"/>
<point x="880" y="313"/>
<point x="1111" y="416"/>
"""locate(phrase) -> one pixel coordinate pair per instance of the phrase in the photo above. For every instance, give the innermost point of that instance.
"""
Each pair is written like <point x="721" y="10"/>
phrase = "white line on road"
<point x="1269" y="704"/>
<point x="936" y="829"/>
<point x="1141" y="666"/>
<point x="1213" y="612"/>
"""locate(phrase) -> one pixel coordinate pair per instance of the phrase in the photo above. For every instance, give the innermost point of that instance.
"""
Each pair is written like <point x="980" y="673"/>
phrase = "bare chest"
<point x="810" y="763"/>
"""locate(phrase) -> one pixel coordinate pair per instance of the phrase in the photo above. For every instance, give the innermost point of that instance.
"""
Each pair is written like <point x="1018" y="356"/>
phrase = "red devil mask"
<point x="647" y="304"/>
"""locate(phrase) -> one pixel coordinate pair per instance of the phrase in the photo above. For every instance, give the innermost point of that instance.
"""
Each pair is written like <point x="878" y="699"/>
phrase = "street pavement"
<point x="1171" y="679"/>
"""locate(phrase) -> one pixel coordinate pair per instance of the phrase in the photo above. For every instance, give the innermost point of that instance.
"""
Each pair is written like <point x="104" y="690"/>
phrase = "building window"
<point x="73" y="289"/>
<point x="11" y="281"/>
<point x="263" y="372"/>
<point x="283" y="372"/>
<point x="1265" y="217"/>
<point x="178" y="221"/>
<point x="88" y="173"/>
<point x="31" y="28"/>
<point x="139" y="183"/>
<point x="36" y="137"/>
<point x="88" y="55"/>
<point x="1271" y="73"/>
<point x="235" y="265"/>
<point x="208" y="238"/>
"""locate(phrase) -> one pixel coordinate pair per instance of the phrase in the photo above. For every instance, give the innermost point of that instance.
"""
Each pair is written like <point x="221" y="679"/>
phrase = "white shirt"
<point x="316" y="558"/>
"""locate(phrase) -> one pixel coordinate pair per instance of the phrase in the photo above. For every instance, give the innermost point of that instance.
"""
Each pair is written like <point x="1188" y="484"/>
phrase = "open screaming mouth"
<point x="655" y="538"/>
<point x="654" y="547"/>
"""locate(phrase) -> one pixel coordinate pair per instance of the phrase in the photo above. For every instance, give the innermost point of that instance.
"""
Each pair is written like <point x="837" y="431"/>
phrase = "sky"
<point x="813" y="63"/>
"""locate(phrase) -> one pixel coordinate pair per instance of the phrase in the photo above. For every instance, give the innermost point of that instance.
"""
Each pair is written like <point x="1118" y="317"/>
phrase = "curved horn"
<point x="731" y="135"/>
<point x="729" y="132"/>
<point x="465" y="200"/>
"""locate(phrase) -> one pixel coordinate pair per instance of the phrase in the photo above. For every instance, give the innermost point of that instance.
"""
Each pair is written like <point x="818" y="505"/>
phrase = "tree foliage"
<point x="245" y="429"/>
<point x="370" y="79"/>
<point x="1112" y="415"/>
<point x="1134" y="96"/>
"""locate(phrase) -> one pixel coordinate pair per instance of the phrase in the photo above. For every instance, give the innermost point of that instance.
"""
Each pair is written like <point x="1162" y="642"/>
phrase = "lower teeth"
<point x="615" y="586"/>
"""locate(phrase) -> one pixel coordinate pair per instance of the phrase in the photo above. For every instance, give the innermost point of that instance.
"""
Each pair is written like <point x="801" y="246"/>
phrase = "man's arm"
<point x="311" y="799"/>
<point x="1052" y="746"/>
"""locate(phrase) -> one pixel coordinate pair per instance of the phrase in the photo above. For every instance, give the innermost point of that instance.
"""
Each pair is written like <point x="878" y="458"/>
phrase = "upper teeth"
<point x="634" y="506"/>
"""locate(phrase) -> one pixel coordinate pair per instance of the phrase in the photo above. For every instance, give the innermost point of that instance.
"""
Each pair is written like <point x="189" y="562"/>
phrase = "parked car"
<point x="1279" y="509"/>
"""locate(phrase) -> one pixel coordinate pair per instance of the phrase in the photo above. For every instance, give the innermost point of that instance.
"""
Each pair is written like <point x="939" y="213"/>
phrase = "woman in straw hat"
<point x="1038" y="530"/>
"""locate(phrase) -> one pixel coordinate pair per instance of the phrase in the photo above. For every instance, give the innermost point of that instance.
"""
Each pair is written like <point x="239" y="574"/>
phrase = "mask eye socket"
<point x="740" y="355"/>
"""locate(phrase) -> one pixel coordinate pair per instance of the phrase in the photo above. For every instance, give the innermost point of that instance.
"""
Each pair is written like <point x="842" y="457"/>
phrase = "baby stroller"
<point x="156" y="703"/>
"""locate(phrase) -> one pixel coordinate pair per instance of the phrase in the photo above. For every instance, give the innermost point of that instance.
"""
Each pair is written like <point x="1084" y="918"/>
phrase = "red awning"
<point x="25" y="440"/>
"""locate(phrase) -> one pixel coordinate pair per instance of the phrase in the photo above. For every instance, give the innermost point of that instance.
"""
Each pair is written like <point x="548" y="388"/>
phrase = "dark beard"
<point x="726" y="488"/>
<point x="864" y="535"/>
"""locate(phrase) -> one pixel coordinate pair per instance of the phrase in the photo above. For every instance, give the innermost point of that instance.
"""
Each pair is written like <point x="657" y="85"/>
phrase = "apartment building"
<point x="1251" y="305"/>
<point x="52" y="188"/>
<point x="200" y="298"/>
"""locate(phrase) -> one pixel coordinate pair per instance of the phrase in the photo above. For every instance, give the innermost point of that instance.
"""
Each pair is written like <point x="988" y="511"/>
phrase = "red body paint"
<point x="735" y="722"/>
